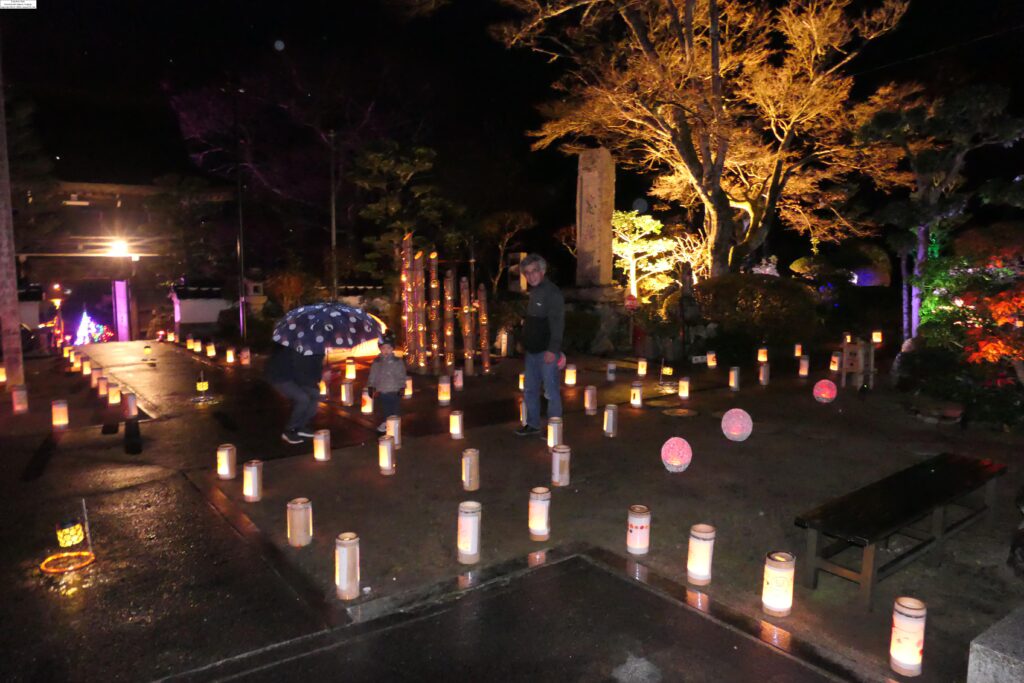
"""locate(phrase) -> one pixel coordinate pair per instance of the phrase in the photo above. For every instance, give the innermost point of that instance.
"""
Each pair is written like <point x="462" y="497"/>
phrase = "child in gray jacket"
<point x="387" y="380"/>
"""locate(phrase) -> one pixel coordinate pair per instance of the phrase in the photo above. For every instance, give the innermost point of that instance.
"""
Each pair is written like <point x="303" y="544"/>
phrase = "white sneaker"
<point x="382" y="427"/>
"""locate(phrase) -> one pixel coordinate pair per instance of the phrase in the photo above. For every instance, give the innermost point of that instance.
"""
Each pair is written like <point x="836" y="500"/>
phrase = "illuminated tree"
<point x="641" y="252"/>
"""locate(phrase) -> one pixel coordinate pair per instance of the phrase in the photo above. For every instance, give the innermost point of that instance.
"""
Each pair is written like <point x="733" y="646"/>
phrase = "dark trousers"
<point x="388" y="404"/>
<point x="305" y="400"/>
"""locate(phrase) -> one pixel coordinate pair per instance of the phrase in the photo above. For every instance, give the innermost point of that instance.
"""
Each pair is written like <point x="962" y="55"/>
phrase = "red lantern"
<point x="737" y="424"/>
<point x="825" y="391"/>
<point x="676" y="454"/>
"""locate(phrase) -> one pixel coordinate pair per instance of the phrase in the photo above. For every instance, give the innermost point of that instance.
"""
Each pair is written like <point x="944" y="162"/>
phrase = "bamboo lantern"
<point x="86" y="367"/>
<point x="485" y="334"/>
<point x="171" y="337"/>
<point x="538" y="517"/>
<point x="59" y="414"/>
<point x="825" y="391"/>
<point x="131" y="405"/>
<point x="611" y="420"/>
<point x="458" y="379"/>
<point x="348" y="394"/>
<point x="455" y="424"/>
<point x="113" y="395"/>
<point x="300" y="522"/>
<point x="419" y="301"/>
<point x="555" y="431"/>
<point x="876" y="337"/>
<point x="350" y="369"/>
<point x="252" y="480"/>
<point x="227" y="459"/>
<point x="641" y="367"/>
<point x="366" y="403"/>
<point x="522" y="381"/>
<point x="449" y="319"/>
<point x="907" y="643"/>
<point x="323" y="389"/>
<point x="322" y="445"/>
<point x="346" y="565"/>
<point x="699" y="553"/>
<point x="734" y="378"/>
<point x="636" y="395"/>
<point x="609" y="372"/>
<point x="408" y="388"/>
<point x="393" y="426"/>
<point x="471" y="469"/>
<point x="638" y="530"/>
<point x="435" y="315"/>
<point x="737" y="424"/>
<point x="229" y="355"/>
<point x="560" y="461"/>
<point x="19" y="399"/>
<point x="468" y="336"/>
<point x="762" y="355"/>
<point x="833" y="364"/>
<point x="570" y="375"/>
<point x="763" y="374"/>
<point x="102" y="387"/>
<point x="777" y="593"/>
<point x="798" y="350"/>
<point x="245" y="356"/>
<point x="444" y="390"/>
<point x="94" y="378"/>
<point x="386" y="455"/>
<point x="805" y="366"/>
<point x="590" y="400"/>
<point x="470" y="513"/>
<point x="522" y="412"/>
<point x="712" y="360"/>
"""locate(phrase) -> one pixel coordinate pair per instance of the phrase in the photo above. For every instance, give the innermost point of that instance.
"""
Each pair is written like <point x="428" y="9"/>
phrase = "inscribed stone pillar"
<point x="595" y="201"/>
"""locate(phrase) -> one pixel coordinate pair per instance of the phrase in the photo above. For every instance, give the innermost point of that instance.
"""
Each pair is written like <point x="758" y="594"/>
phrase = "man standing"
<point x="542" y="339"/>
<point x="297" y="377"/>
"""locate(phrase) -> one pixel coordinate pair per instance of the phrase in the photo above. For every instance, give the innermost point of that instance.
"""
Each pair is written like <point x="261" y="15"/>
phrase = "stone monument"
<point x="595" y="201"/>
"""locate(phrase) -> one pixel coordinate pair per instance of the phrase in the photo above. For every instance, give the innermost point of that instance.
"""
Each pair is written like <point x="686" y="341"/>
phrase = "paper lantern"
<point x="636" y="395"/>
<point x="227" y="458"/>
<point x="366" y="403"/>
<point x="777" y="592"/>
<point x="699" y="553"/>
<point x="471" y="469"/>
<point x="503" y="344"/>
<point x="322" y="386"/>
<point x="94" y="378"/>
<point x="59" y="414"/>
<point x="455" y="424"/>
<point x="458" y="379"/>
<point x="113" y="395"/>
<point x="638" y="530"/>
<point x="560" y="457"/>
<point x="350" y="369"/>
<point x="762" y="355"/>
<point x="538" y="518"/>
<point x="147" y="353"/>
<point x="762" y="374"/>
<point x="102" y="386"/>
<point x="555" y="429"/>
<point x="590" y="400"/>
<point x="245" y="356"/>
<point x="798" y="350"/>
<point x="393" y="428"/>
<point x="131" y="405"/>
<point x="609" y="372"/>
<point x="19" y="399"/>
<point x="70" y="533"/>
<point x="734" y="378"/>
<point x="611" y="420"/>
<point x="570" y="375"/>
<point x="408" y="388"/>
<point x="522" y="381"/>
<point x="906" y="647"/>
<point x="300" y="522"/>
<point x="522" y="413"/>
<point x="252" y="480"/>
<point x="444" y="391"/>
<point x="876" y="337"/>
<point x="641" y="367"/>
<point x="67" y="351"/>
<point x="229" y="355"/>
<point x="737" y="425"/>
<point x="322" y="445"/>
<point x="712" y="360"/>
<point x="847" y="338"/>
<point x="386" y="455"/>
<point x="470" y="513"/>
<point x="805" y="366"/>
<point x="3" y="374"/>
<point x="684" y="388"/>
<point x="348" y="394"/>
<point x="346" y="565"/>
<point x="825" y="391"/>
<point x="86" y="367"/>
<point x="833" y="364"/>
<point x="676" y="454"/>
<point x="171" y="337"/>
<point x="189" y="342"/>
<point x="76" y="364"/>
<point x="72" y="355"/>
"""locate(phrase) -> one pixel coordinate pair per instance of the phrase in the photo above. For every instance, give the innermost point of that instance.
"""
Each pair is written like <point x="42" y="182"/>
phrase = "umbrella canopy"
<point x="309" y="330"/>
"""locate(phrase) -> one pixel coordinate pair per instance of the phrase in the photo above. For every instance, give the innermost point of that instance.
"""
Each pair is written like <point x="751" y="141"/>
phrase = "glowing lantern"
<point x="131" y="406"/>
<point x="847" y="337"/>
<point x="638" y="530"/>
<point x="641" y="367"/>
<point x="444" y="391"/>
<point x="590" y="400"/>
<point x="211" y="350"/>
<point x="798" y="350"/>
<point x="252" y="480"/>
<point x="350" y="369"/>
<point x="19" y="399"/>
<point x="762" y="374"/>
<point x="907" y="644"/>
<point x="458" y="379"/>
<point x="70" y="533"/>
<point x="712" y="360"/>
<point x="560" y="457"/>
<point x="555" y="428"/>
<point x="762" y="355"/>
<point x="470" y="513"/>
<point x="197" y="346"/>
<point x="805" y="366"/>
<point x="202" y="386"/>
<point x="188" y="342"/>
<point x="86" y="367"/>
<point x="699" y="553"/>
<point x="147" y="353"/>
<point x="171" y="337"/>
<point x="636" y="395"/>
<point x="300" y="522"/>
<point x="3" y="374"/>
<point x="347" y="394"/>
<point x="734" y="378"/>
<point x="825" y="391"/>
<point x="471" y="469"/>
<point x="737" y="425"/>
<point x="611" y="420"/>
<point x="684" y="388"/>
<point x="346" y="565"/>
<point x="876" y="337"/>
<point x="322" y="445"/>
<point x="408" y="388"/>
<point x="113" y="395"/>
<point x="522" y="413"/>
<point x="102" y="386"/>
<point x="227" y="459"/>
<point x="323" y="388"/>
<point x="67" y="351"/>
<point x="777" y="593"/>
<point x="455" y="424"/>
<point x="245" y="356"/>
<point x="76" y="364"/>
<point x="94" y="378"/>
<point x="522" y="381"/>
<point x="833" y="364"/>
<point x="59" y="414"/>
<point x="666" y="371"/>
<point x="366" y="403"/>
<point x="393" y="428"/>
<point x="229" y="355"/>
<point x="386" y="455"/>
<point x="609" y="372"/>
<point x="570" y="375"/>
<point x="676" y="454"/>
<point x="538" y="518"/>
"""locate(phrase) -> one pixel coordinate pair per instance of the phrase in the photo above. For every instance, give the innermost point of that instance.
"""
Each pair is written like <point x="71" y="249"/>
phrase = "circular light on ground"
<point x="61" y="563"/>
<point x="676" y="454"/>
<point x="825" y="391"/>
<point x="737" y="424"/>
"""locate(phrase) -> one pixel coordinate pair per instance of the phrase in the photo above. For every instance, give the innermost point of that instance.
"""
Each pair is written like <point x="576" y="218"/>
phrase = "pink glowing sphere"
<point x="737" y="424"/>
<point x="676" y="454"/>
<point x="825" y="391"/>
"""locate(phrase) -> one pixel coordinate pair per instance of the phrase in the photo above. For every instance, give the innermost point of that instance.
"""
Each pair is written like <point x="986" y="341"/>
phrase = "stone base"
<point x="610" y="294"/>
<point x="997" y="655"/>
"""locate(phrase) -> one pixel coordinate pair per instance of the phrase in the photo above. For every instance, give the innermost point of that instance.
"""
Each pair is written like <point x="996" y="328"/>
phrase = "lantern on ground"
<point x="712" y="360"/>
<point x="762" y="374"/>
<point x="570" y="375"/>
<point x="762" y="355"/>
<point x="777" y="592"/>
<point x="252" y="480"/>
<point x="737" y="424"/>
<point x="70" y="533"/>
<point x="94" y="378"/>
<point x="229" y="355"/>
<point x="847" y="338"/>
<point x="676" y="454"/>
<point x="147" y="353"/>
<point x="172" y="337"/>
<point x="322" y="445"/>
<point x="906" y="646"/>
<point x="609" y="372"/>
<point x="805" y="366"/>
<point x="611" y="420"/>
<point x="393" y="428"/>
<point x="202" y="385"/>
<point x="734" y="378"/>
<point x="444" y="391"/>
<point x="67" y="351"/>
<point x="798" y="350"/>
<point x="3" y="374"/>
<point x="76" y="364"/>
<point x="555" y="429"/>
<point x="825" y="391"/>
<point x="833" y="364"/>
<point x="522" y="412"/>
<point x="346" y="565"/>
<point x="699" y="553"/>
<point x="245" y="356"/>
<point x="636" y="395"/>
<point x="408" y="388"/>
<point x="323" y="388"/>
<point x="471" y="469"/>
<point x="538" y="517"/>
<point x="227" y="458"/>
<point x="590" y="400"/>
<point x="189" y="342"/>
<point x="86" y="367"/>
<point x="131" y="406"/>
<point x="59" y="414"/>
<point x="386" y="455"/>
<point x="113" y="395"/>
<point x="641" y="367"/>
<point x="876" y="337"/>
<point x="348" y="394"/>
<point x="350" y="369"/>
<point x="19" y="399"/>
<point x="366" y="403"/>
<point x="458" y="379"/>
<point x="560" y="457"/>
<point x="102" y="387"/>
<point x="300" y="522"/>
<point x="455" y="424"/>
<point x="470" y="513"/>
<point x="638" y="530"/>
<point x="522" y="381"/>
<point x="684" y="388"/>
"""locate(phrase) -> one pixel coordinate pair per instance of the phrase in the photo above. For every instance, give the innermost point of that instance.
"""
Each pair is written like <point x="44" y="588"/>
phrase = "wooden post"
<point x="449" y="320"/>
<point x="435" y="316"/>
<point x="468" y="344"/>
<point x="485" y="336"/>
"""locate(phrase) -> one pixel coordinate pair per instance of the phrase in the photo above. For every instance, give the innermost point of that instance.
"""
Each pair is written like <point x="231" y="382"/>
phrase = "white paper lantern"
<point x="386" y="455"/>
<point x="522" y="412"/>
<point x="638" y="530"/>
<point x="737" y="424"/>
<point x="245" y="356"/>
<point x="252" y="480"/>
<point x="636" y="395"/>
<point x="470" y="513"/>
<point x="734" y="378"/>
<point x="19" y="399"/>
<point x="470" y="469"/>
<point x="408" y="388"/>
<point x="555" y="436"/>
<point x="560" y="458"/>
<point x="777" y="591"/>
<point x="348" y="394"/>
<point x="444" y="390"/>
<point x="300" y="522"/>
<point x="366" y="403"/>
<point x="684" y="388"/>
<point x="350" y="369"/>
<point x="131" y="406"/>
<point x="113" y="395"/>
<point x="712" y="360"/>
<point x="570" y="375"/>
<point x="833" y="364"/>
<point x="227" y="459"/>
<point x="229" y="355"/>
<point x="455" y="424"/>
<point x="590" y="400"/>
<point x="798" y="350"/>
<point x="762" y="355"/>
<point x="699" y="554"/>
<point x="393" y="428"/>
<point x="611" y="420"/>
<point x="762" y="374"/>
<point x="538" y="517"/>
<point x="641" y="367"/>
<point x="322" y="445"/>
<point x="906" y="647"/>
<point x="676" y="454"/>
<point x="59" y="414"/>
<point x="522" y="381"/>
<point x="346" y="565"/>
<point x="805" y="366"/>
<point x="609" y="372"/>
<point x="458" y="379"/>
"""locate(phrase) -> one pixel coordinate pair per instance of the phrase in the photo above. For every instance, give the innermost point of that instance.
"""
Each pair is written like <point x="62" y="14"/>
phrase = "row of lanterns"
<point x="231" y="355"/>
<point x="105" y="389"/>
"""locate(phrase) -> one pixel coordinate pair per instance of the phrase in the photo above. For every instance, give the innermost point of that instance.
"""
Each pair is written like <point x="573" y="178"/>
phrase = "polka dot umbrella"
<point x="311" y="329"/>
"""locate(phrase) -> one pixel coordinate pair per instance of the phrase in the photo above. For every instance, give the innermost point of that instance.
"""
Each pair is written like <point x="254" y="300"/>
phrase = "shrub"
<point x="772" y="309"/>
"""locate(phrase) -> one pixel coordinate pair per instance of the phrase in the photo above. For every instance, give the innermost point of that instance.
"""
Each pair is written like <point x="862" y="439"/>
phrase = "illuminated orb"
<point x="825" y="391"/>
<point x="737" y="424"/>
<point x="676" y="454"/>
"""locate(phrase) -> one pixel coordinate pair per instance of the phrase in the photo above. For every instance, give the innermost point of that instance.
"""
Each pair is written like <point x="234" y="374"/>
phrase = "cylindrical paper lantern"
<point x="350" y="369"/>
<point x="762" y="374"/>
<point x="676" y="454"/>
<point x="698" y="556"/>
<point x="777" y="593"/>
<point x="636" y="395"/>
<point x="798" y="350"/>
<point x="470" y="513"/>
<point x="554" y="431"/>
<point x="76" y="364"/>
<point x="348" y="394"/>
<point x="609" y="372"/>
<point x="171" y="337"/>
<point x="366" y="403"/>
<point x="833" y="364"/>
<point x="323" y="388"/>
<point x="522" y="413"/>
<point x="59" y="414"/>
<point x="471" y="469"/>
<point x="245" y="356"/>
<point x="408" y="388"/>
<point x="211" y="350"/>
<point x="131" y="406"/>
<point x="638" y="530"/>
<point x="641" y="367"/>
<point x="113" y="395"/>
<point x="322" y="445"/>
<point x="906" y="646"/>
<point x="252" y="480"/>
<point x="386" y="455"/>
<point x="393" y="428"/>
<point x="229" y="355"/>
<point x="94" y="378"/>
<point x="3" y="374"/>
<point x="444" y="390"/>
<point x="734" y="378"/>
<point x="540" y="502"/>
<point x="102" y="387"/>
<point x="522" y="381"/>
<point x="825" y="391"/>
<point x="737" y="424"/>
<point x="570" y="375"/>
<point x="611" y="420"/>
<point x="455" y="424"/>
<point x="805" y="366"/>
<point x="147" y="353"/>
<point x="19" y="399"/>
<point x="590" y="400"/>
<point x="876" y="337"/>
<point x="458" y="379"/>
<point x="346" y="565"/>
<point x="560" y="457"/>
<point x="712" y="360"/>
<point x="86" y="367"/>
<point x="684" y="388"/>
<point x="66" y="351"/>
<point x="300" y="522"/>
<point x="227" y="459"/>
<point x="762" y="355"/>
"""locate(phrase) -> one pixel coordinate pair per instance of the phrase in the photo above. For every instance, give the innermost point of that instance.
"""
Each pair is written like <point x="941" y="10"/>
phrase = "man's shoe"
<point x="527" y="430"/>
<point x="305" y="432"/>
<point x="291" y="436"/>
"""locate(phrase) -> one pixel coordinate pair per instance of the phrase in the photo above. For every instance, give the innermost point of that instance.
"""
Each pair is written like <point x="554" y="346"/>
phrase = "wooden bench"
<point x="891" y="506"/>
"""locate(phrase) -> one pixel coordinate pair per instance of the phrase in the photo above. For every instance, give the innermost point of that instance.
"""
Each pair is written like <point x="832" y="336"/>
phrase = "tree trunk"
<point x="10" y="320"/>
<point x="916" y="294"/>
<point x="905" y="291"/>
<point x="719" y="229"/>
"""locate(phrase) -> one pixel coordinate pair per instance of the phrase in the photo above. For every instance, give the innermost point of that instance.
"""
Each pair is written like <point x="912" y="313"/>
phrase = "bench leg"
<point x="810" y="565"/>
<point x="867" y="575"/>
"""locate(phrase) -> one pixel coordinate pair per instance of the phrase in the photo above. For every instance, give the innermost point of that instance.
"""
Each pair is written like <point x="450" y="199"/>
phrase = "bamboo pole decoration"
<point x="435" y="316"/>
<point x="449" y="320"/>
<point x="468" y="343"/>
<point x="419" y="311"/>
<point x="407" y="318"/>
<point x="485" y="335"/>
